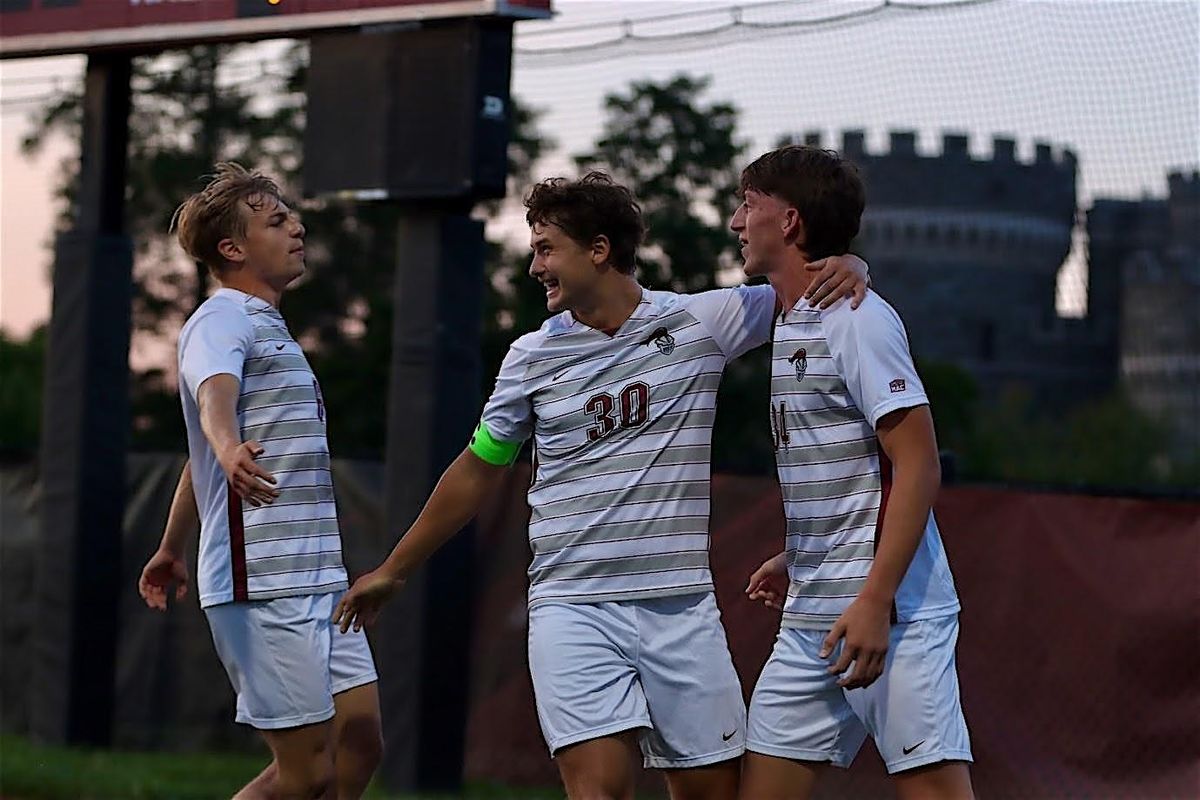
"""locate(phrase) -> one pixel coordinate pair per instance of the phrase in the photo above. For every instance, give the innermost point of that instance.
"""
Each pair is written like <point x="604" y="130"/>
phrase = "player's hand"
<point x="163" y="569"/>
<point x="252" y="483"/>
<point x="769" y="582"/>
<point x="362" y="602"/>
<point x="838" y="277"/>
<point x="865" y="626"/>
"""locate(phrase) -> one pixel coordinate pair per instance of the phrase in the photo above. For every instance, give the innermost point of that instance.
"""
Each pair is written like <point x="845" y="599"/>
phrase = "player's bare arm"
<point x="907" y="438"/>
<point x="837" y="277"/>
<point x="459" y="495"/>
<point x="769" y="582"/>
<point x="217" y="399"/>
<point x="168" y="564"/>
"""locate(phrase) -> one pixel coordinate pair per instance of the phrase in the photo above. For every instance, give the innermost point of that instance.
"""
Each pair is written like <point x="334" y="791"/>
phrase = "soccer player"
<point x="270" y="565"/>
<point x="618" y="389"/>
<point x="870" y="612"/>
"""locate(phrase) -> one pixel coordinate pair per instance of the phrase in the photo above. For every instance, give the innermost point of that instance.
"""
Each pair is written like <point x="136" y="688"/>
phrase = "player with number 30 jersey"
<point x="618" y="391"/>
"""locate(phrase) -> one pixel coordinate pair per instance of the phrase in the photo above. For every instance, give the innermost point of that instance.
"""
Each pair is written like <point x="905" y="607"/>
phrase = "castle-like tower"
<point x="968" y="251"/>
<point x="1145" y="279"/>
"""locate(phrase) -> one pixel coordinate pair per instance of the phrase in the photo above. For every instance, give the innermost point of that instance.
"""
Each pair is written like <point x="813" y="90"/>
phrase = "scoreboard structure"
<point x="54" y="27"/>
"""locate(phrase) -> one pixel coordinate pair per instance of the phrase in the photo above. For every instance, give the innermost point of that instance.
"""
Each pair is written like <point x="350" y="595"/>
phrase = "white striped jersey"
<point x="622" y="429"/>
<point x="834" y="374"/>
<point x="292" y="547"/>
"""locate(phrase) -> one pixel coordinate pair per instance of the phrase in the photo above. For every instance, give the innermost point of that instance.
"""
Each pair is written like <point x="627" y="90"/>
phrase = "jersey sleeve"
<point x="738" y="319"/>
<point x="507" y="418"/>
<point x="217" y="342"/>
<point x="870" y="350"/>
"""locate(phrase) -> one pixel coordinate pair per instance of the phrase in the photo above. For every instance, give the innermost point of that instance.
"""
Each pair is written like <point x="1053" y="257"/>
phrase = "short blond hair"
<point x="212" y="214"/>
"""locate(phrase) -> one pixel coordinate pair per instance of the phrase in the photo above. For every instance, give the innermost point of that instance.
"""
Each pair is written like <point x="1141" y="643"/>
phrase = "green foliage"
<point x="21" y="371"/>
<point x="681" y="158"/>
<point x="1104" y="443"/>
<point x="205" y="104"/>
<point x="953" y="396"/>
<point x="190" y="109"/>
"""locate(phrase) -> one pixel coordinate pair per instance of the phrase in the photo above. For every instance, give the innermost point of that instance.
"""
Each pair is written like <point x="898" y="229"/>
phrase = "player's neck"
<point x="612" y="304"/>
<point x="791" y="280"/>
<point x="243" y="281"/>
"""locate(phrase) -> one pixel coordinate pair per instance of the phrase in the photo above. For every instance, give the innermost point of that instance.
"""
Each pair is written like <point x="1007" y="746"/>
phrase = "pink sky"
<point x="26" y="205"/>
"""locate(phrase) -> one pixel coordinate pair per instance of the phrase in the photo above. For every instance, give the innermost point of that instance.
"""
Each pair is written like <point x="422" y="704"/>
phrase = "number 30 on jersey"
<point x="634" y="402"/>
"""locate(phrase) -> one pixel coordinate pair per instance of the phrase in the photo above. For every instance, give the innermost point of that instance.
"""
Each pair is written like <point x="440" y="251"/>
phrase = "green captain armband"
<point x="492" y="450"/>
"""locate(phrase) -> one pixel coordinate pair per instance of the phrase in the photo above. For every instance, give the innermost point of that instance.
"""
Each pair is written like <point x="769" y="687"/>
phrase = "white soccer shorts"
<point x="912" y="711"/>
<point x="286" y="660"/>
<point x="660" y="665"/>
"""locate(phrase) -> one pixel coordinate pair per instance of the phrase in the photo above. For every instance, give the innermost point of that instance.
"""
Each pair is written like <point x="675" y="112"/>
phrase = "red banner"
<point x="46" y="27"/>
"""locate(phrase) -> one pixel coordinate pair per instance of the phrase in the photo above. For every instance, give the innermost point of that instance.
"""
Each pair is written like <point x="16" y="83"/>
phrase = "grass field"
<point x="35" y="772"/>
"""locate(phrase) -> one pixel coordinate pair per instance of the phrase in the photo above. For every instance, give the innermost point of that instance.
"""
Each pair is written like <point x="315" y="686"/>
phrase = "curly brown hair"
<point x="824" y="187"/>
<point x="213" y="213"/>
<point x="592" y="206"/>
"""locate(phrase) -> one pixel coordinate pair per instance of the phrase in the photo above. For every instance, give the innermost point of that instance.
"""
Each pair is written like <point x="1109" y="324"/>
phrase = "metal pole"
<point x="85" y="431"/>
<point x="423" y="645"/>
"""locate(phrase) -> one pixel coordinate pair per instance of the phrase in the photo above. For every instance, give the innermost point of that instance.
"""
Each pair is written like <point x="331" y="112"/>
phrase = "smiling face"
<point x="766" y="227"/>
<point x="271" y="245"/>
<point x="569" y="271"/>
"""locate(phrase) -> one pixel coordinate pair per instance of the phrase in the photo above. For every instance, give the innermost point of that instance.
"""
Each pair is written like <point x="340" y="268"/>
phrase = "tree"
<point x="514" y="303"/>
<point x="21" y="371"/>
<point x="190" y="109"/>
<point x="195" y="107"/>
<point x="681" y="158"/>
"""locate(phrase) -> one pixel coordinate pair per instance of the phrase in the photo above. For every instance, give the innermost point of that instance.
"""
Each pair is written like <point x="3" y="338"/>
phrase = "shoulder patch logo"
<point x="663" y="340"/>
<point x="897" y="385"/>
<point x="320" y="398"/>
<point x="801" y="361"/>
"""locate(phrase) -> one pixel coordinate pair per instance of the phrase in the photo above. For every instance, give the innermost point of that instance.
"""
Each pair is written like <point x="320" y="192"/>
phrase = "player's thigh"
<point x="773" y="778"/>
<point x="692" y="689"/>
<point x="599" y="769"/>
<point x="798" y="712"/>
<point x="585" y="684"/>
<point x="913" y="711"/>
<point x="303" y="757"/>
<point x="358" y="727"/>
<point x="945" y="780"/>
<point x="354" y="683"/>
<point x="709" y="782"/>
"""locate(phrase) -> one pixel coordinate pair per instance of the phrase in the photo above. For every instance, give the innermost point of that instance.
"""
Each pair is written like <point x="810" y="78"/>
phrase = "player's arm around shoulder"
<point x="837" y="277"/>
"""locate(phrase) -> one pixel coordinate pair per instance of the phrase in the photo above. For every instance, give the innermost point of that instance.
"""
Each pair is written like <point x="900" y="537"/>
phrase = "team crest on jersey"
<point x="799" y="360"/>
<point x="663" y="340"/>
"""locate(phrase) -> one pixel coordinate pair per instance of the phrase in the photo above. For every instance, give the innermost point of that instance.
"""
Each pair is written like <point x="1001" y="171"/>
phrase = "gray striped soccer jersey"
<point x="834" y="374"/>
<point x="622" y="429"/>
<point x="289" y="548"/>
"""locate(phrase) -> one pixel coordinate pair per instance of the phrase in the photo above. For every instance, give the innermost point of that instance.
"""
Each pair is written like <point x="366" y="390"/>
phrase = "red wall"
<point x="1079" y="655"/>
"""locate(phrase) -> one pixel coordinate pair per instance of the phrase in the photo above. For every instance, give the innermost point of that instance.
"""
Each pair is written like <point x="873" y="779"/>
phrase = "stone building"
<point x="968" y="251"/>
<point x="1145" y="268"/>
